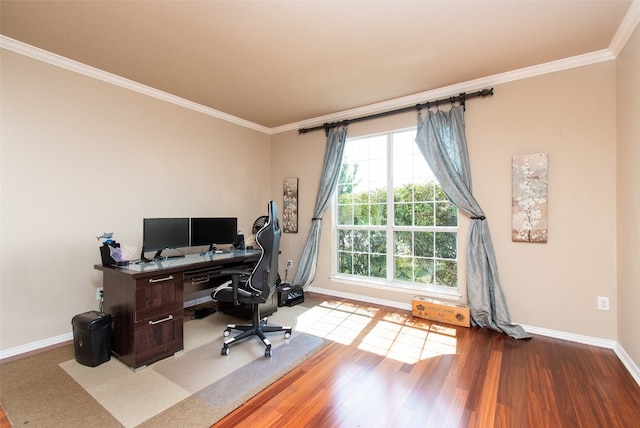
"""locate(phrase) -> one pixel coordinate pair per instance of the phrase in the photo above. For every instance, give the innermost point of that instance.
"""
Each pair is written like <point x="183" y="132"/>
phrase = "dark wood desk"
<point x="146" y="301"/>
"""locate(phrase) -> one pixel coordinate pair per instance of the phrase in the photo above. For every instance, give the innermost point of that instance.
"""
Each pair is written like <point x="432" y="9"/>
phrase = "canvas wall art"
<point x="290" y="208"/>
<point x="529" y="199"/>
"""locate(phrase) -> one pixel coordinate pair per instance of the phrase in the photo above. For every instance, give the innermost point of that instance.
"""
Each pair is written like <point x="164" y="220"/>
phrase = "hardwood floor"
<point x="4" y="422"/>
<point x="388" y="369"/>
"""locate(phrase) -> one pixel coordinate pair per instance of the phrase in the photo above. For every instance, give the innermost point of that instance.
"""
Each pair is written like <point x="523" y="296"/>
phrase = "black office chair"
<point x="256" y="286"/>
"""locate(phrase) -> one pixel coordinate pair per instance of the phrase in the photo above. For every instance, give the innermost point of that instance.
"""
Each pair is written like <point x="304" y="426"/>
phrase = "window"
<point x="393" y="221"/>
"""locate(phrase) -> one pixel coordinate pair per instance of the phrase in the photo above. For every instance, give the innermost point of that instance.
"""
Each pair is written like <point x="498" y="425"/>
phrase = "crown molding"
<point x="550" y="67"/>
<point x="86" y="70"/>
<point x="469" y="86"/>
<point x="627" y="26"/>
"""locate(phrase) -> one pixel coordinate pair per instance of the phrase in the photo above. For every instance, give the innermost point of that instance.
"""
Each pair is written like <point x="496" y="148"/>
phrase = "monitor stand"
<point x="157" y="257"/>
<point x="211" y="251"/>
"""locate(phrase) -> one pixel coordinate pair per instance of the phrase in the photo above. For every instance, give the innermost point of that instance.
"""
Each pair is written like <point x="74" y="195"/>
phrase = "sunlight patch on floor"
<point x="409" y="340"/>
<point x="401" y="337"/>
<point x="339" y="322"/>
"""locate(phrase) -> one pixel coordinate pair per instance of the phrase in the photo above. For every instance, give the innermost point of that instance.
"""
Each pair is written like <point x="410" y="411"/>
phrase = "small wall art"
<point x="529" y="198"/>
<point x="290" y="208"/>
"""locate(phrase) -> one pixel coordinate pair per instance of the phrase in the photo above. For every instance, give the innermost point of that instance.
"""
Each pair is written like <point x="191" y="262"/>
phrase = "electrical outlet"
<point x="99" y="293"/>
<point x="603" y="303"/>
<point x="289" y="263"/>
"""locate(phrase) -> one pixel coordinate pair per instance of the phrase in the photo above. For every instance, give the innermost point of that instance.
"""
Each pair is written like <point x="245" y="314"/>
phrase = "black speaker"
<point x="239" y="244"/>
<point x="288" y="296"/>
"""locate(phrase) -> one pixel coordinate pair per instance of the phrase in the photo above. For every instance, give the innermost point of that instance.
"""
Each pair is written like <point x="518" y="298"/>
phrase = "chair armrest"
<point x="236" y="275"/>
<point x="238" y="272"/>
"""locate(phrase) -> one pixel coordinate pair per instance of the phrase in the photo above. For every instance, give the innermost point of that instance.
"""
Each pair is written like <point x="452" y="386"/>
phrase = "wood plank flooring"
<point x="4" y="421"/>
<point x="388" y="369"/>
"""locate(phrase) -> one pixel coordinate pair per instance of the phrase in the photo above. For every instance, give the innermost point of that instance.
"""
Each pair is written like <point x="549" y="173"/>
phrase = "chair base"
<point x="258" y="327"/>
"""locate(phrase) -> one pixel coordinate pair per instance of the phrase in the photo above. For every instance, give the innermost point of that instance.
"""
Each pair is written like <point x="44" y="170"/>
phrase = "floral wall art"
<point x="290" y="209"/>
<point x="529" y="200"/>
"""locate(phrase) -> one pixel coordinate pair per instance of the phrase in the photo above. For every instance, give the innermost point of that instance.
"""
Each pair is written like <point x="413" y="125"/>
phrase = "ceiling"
<point x="275" y="63"/>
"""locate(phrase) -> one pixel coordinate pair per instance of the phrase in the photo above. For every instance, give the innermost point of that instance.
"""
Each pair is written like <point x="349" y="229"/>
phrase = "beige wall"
<point x="81" y="157"/>
<point x="628" y="112"/>
<point x="571" y="116"/>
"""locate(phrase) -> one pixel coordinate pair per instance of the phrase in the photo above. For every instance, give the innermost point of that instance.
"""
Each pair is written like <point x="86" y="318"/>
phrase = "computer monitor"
<point x="163" y="233"/>
<point x="213" y="231"/>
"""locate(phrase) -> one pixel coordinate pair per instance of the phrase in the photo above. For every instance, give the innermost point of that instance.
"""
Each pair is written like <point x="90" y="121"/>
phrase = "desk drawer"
<point x="157" y="297"/>
<point x="198" y="280"/>
<point x="158" y="338"/>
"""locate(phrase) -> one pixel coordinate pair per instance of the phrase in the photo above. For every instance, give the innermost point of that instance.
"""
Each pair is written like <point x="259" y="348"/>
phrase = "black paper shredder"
<point x="92" y="337"/>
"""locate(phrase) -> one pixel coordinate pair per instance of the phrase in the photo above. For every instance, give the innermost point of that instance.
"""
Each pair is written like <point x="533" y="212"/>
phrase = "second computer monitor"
<point x="213" y="231"/>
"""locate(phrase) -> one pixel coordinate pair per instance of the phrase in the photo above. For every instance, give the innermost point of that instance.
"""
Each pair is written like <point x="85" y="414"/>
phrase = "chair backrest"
<point x="264" y="277"/>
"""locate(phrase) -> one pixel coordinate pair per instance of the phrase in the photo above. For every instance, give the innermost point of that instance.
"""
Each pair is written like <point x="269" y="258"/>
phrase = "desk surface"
<point x="186" y="262"/>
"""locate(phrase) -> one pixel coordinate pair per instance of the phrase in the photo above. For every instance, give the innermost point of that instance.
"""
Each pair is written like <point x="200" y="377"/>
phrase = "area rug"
<point x="199" y="379"/>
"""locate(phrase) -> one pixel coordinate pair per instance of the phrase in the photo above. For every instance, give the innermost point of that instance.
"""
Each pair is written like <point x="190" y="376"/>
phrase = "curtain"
<point x="442" y="141"/>
<point x="336" y="139"/>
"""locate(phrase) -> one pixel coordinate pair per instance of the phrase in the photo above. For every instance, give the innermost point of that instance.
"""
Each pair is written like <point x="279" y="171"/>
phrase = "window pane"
<point x="377" y="147"/>
<point x="345" y="214"/>
<point x="446" y="273"/>
<point x="421" y="170"/>
<point x="424" y="244"/>
<point x="403" y="268"/>
<point x="424" y="270"/>
<point x="402" y="241"/>
<point x="403" y="193"/>
<point x="378" y="194"/>
<point x="378" y="215"/>
<point x="344" y="193"/>
<point x="446" y="245"/>
<point x="424" y="214"/>
<point x="345" y="242"/>
<point x="361" y="214"/>
<point x="378" y="170"/>
<point x="345" y="262"/>
<point x="403" y="214"/>
<point x="361" y="264"/>
<point x="425" y="191"/>
<point x="378" y="266"/>
<point x="379" y="241"/>
<point x="361" y="241"/>
<point x="440" y="195"/>
<point x="446" y="214"/>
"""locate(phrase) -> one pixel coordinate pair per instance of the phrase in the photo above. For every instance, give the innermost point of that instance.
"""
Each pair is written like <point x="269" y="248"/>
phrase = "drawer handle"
<point x="166" y="278"/>
<point x="169" y="318"/>
<point x="196" y="281"/>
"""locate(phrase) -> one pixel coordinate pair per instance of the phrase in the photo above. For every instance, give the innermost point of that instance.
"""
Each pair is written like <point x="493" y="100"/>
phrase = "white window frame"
<point x="448" y="292"/>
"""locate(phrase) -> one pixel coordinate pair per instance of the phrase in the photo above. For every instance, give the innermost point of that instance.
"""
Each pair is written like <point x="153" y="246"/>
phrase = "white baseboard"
<point x="35" y="346"/>
<point x="628" y="362"/>
<point x="571" y="337"/>
<point x="360" y="297"/>
<point x="587" y="340"/>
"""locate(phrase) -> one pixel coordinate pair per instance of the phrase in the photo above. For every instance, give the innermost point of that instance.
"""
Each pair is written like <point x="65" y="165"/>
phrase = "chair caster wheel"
<point x="287" y="334"/>
<point x="224" y="350"/>
<point x="226" y="333"/>
<point x="267" y="352"/>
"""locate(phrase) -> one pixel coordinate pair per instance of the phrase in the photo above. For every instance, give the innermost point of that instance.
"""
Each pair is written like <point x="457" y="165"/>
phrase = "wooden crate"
<point x="436" y="310"/>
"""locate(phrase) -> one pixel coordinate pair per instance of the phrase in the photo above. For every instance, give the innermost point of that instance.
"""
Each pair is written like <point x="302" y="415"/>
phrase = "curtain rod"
<point x="458" y="98"/>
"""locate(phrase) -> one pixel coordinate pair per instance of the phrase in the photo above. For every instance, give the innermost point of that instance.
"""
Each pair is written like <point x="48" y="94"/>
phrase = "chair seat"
<point x="224" y="293"/>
